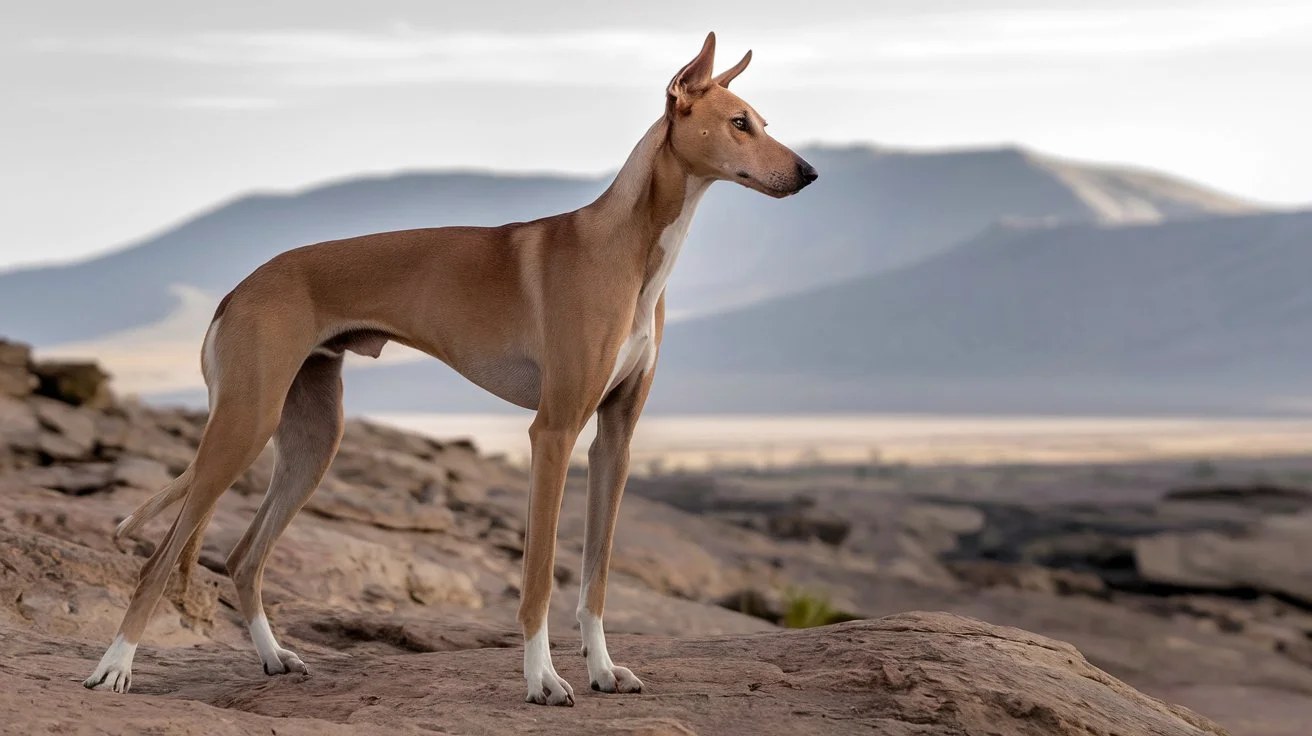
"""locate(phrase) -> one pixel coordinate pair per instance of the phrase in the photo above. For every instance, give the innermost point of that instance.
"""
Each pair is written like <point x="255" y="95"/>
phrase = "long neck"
<point x="651" y="200"/>
<point x="651" y="186"/>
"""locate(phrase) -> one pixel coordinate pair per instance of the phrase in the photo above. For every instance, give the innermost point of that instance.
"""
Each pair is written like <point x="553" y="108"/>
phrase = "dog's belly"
<point x="514" y="379"/>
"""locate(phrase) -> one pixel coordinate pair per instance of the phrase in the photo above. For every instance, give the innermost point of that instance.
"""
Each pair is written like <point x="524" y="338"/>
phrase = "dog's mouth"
<point x="770" y="188"/>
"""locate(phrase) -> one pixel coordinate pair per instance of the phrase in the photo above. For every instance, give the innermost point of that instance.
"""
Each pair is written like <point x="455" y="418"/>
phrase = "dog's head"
<point x="718" y="135"/>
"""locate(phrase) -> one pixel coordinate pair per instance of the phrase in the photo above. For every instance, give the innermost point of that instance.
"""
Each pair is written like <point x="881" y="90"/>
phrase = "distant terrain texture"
<point x="985" y="280"/>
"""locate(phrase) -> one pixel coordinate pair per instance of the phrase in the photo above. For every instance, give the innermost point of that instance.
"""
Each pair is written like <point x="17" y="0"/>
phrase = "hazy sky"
<point x="122" y="118"/>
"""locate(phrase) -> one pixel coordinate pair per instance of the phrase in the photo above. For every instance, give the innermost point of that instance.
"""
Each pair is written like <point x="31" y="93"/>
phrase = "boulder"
<point x="55" y="447"/>
<point x="76" y="426"/>
<point x="1271" y="557"/>
<point x="75" y="480"/>
<point x="19" y="433"/>
<point x="1021" y="576"/>
<point x="74" y="382"/>
<point x="141" y="472"/>
<point x="329" y="566"/>
<point x="389" y="509"/>
<point x="16" y="377"/>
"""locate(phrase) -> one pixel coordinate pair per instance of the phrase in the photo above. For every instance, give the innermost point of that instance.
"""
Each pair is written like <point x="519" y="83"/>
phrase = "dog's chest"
<point x="637" y="354"/>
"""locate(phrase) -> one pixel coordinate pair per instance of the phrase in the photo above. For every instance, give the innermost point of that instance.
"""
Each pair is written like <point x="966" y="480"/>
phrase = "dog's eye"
<point x="739" y="123"/>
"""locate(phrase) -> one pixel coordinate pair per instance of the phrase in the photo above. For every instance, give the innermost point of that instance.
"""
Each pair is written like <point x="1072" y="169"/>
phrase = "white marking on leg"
<point x="545" y="687"/>
<point x="594" y="644"/>
<point x="603" y="675"/>
<point x="262" y="635"/>
<point x="629" y="356"/>
<point x="276" y="660"/>
<point x="115" y="669"/>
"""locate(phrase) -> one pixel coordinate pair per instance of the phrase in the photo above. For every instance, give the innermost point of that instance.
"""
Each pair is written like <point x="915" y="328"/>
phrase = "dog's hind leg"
<point x="234" y="436"/>
<point x="608" y="469"/>
<point x="306" y="441"/>
<point x="249" y="366"/>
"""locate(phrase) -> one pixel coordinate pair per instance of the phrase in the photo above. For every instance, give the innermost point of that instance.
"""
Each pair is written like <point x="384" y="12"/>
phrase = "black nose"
<point x="806" y="172"/>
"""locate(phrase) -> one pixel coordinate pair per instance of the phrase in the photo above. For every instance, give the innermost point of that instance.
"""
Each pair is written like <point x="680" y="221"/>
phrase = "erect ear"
<point x="728" y="75"/>
<point x="692" y="80"/>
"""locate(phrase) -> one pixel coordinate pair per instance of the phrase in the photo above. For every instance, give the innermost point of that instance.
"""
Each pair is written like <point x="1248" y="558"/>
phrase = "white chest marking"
<point x="638" y="351"/>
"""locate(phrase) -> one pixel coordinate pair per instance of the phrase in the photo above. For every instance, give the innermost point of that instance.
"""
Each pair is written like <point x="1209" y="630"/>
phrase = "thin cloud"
<point x="404" y="54"/>
<point x="1076" y="33"/>
<point x="312" y="47"/>
<point x="226" y="103"/>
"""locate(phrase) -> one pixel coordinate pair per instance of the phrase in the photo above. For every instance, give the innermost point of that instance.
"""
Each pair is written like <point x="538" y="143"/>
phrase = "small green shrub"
<point x="806" y="610"/>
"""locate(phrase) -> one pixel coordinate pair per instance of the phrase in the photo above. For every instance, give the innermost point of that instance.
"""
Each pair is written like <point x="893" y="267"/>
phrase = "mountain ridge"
<point x="874" y="211"/>
<point x="1207" y="304"/>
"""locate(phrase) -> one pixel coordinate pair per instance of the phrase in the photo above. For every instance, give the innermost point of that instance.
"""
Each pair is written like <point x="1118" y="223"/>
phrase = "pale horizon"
<point x="126" y="120"/>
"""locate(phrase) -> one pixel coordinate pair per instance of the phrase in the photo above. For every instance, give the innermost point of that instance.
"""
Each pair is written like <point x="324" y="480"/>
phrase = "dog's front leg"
<point x="552" y="442"/>
<point x="608" y="469"/>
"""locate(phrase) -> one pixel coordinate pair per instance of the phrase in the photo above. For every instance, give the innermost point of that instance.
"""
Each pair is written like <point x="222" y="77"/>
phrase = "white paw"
<point x="276" y="660"/>
<point x="549" y="688"/>
<point x="604" y="676"/>
<point x="118" y="679"/>
<point x="286" y="663"/>
<point x="115" y="669"/>
<point x="614" y="679"/>
<point x="545" y="687"/>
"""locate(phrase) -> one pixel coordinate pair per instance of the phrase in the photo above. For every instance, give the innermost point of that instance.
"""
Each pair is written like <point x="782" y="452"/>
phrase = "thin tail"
<point x="171" y="494"/>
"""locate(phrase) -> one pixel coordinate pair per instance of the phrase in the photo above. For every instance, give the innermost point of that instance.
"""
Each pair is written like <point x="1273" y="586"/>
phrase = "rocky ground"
<point x="398" y="585"/>
<point x="1189" y="580"/>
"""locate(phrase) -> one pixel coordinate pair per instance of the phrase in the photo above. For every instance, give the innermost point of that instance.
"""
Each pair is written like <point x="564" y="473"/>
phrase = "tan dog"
<point x="562" y="315"/>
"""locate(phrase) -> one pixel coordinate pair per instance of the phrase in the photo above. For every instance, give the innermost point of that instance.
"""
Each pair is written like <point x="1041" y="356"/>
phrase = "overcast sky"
<point x="122" y="118"/>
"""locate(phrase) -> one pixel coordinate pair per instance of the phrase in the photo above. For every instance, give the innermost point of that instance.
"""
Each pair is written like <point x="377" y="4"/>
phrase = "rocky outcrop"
<point x="913" y="673"/>
<point x="76" y="383"/>
<point x="1153" y="575"/>
<point x="399" y="581"/>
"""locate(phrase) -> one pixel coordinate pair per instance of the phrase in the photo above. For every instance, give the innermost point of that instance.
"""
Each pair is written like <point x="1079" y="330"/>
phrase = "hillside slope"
<point x="1182" y="311"/>
<point x="875" y="209"/>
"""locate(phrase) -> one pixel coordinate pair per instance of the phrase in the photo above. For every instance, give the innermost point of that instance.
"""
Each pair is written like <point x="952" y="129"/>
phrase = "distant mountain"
<point x="874" y="209"/>
<point x="1203" y="315"/>
<point x="870" y="211"/>
<point x="986" y="280"/>
<point x="137" y="285"/>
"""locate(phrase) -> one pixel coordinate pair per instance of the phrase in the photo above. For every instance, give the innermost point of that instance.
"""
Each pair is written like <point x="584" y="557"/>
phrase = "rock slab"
<point x="912" y="674"/>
